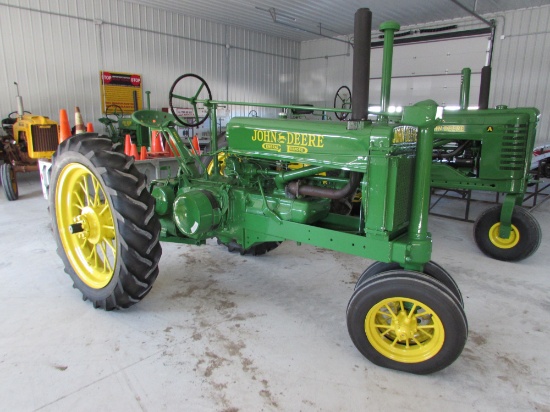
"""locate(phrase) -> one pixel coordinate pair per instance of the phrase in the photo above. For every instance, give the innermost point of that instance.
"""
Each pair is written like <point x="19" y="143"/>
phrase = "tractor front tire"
<point x="524" y="239"/>
<point x="9" y="181"/>
<point x="104" y="222"/>
<point x="431" y="269"/>
<point x="407" y="321"/>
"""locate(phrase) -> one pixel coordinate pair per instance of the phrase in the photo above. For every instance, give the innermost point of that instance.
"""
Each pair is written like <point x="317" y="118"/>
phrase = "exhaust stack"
<point x="361" y="64"/>
<point x="20" y="109"/>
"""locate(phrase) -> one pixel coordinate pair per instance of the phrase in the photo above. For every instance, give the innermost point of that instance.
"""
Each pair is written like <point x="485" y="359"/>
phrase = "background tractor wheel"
<point x="104" y="222"/>
<point x="255" y="250"/>
<point x="9" y="181"/>
<point x="431" y="269"/>
<point x="407" y="321"/>
<point x="524" y="239"/>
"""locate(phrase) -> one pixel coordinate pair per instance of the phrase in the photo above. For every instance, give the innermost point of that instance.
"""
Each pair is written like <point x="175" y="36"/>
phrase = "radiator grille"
<point x="514" y="147"/>
<point x="44" y="138"/>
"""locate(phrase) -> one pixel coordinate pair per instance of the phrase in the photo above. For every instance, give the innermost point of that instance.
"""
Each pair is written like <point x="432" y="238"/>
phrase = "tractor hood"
<point x="316" y="143"/>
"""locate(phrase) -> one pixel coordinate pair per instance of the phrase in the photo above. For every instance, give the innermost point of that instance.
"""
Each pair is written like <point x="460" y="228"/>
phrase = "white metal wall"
<point x="55" y="49"/>
<point x="521" y="64"/>
<point x="521" y="67"/>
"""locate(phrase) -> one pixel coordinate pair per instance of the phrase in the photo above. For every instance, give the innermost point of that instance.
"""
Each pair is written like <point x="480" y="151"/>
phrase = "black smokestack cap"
<point x="361" y="64"/>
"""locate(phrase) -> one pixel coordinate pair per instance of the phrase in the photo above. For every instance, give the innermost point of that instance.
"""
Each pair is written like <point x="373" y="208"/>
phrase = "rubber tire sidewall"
<point x="6" y="170"/>
<point x="447" y="309"/>
<point x="132" y="279"/>
<point x="431" y="269"/>
<point x="527" y="226"/>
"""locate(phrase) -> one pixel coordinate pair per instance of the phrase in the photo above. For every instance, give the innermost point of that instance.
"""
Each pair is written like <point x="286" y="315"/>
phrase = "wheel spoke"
<point x="416" y="341"/>
<point x="79" y="201"/>
<point x="412" y="311"/>
<point x="108" y="243"/>
<point x="105" y="208"/>
<point x="97" y="189"/>
<point x="106" y="262"/>
<point x="429" y="335"/>
<point x="390" y="311"/>
<point x="198" y="91"/>
<point x="87" y="191"/>
<point x="187" y="99"/>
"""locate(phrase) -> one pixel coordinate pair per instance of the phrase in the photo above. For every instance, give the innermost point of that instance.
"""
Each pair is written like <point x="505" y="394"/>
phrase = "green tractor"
<point x="491" y="150"/>
<point x="406" y="312"/>
<point x="118" y="126"/>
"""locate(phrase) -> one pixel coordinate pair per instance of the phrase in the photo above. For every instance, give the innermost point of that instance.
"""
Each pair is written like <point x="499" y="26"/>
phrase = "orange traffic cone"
<point x="89" y="127"/>
<point x="143" y="153"/>
<point x="156" y="145"/>
<point x="78" y="122"/>
<point x="64" y="126"/>
<point x="133" y="151"/>
<point x="196" y="145"/>
<point x="127" y="145"/>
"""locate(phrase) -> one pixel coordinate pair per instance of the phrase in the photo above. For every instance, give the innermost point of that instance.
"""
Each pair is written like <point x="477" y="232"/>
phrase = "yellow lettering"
<point x="269" y="137"/>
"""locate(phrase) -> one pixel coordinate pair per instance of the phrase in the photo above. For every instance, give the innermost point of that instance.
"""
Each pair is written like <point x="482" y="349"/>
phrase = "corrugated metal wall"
<point x="521" y="67"/>
<point x="55" y="49"/>
<point x="521" y="64"/>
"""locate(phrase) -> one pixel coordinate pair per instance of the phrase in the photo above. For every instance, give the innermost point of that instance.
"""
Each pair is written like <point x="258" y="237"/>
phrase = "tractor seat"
<point x="153" y="119"/>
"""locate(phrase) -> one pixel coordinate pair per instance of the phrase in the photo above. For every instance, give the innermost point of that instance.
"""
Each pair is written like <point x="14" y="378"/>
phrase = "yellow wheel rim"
<point x="404" y="330"/>
<point x="221" y="164"/>
<point x="86" y="225"/>
<point x="500" y="242"/>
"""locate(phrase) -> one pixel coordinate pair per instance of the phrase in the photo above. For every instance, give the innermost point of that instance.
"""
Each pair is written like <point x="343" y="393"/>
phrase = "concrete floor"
<point x="223" y="332"/>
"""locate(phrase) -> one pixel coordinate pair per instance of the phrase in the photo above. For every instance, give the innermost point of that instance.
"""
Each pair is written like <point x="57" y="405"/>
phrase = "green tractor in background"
<point x="118" y="126"/>
<point x="491" y="150"/>
<point x="406" y="312"/>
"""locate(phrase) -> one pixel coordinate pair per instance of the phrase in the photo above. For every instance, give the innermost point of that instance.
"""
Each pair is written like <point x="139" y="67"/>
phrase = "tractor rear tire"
<point x="407" y="321"/>
<point x="431" y="269"/>
<point x="9" y="181"/>
<point x="104" y="222"/>
<point x="524" y="239"/>
<point x="207" y="161"/>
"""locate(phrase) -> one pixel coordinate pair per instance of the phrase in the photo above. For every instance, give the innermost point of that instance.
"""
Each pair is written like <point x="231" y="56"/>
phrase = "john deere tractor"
<point x="491" y="150"/>
<point x="406" y="311"/>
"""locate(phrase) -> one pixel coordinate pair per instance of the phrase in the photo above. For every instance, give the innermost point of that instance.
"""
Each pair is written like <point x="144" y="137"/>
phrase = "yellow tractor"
<point x="27" y="138"/>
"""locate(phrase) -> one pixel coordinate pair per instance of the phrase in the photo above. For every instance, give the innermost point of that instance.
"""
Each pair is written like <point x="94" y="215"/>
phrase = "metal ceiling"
<point x="311" y="19"/>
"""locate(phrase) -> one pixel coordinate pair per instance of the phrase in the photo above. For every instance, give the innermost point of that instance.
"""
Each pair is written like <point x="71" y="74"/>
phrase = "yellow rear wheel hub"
<point x="221" y="164"/>
<point x="404" y="330"/>
<point x="500" y="242"/>
<point x="86" y="225"/>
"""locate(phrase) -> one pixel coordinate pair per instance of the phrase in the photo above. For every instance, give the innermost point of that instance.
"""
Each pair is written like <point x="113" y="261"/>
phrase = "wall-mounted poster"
<point x="122" y="90"/>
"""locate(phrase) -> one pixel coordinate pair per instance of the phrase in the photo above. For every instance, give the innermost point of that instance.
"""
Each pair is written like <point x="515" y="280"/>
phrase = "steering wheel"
<point x="113" y="110"/>
<point x="342" y="100"/>
<point x="186" y="84"/>
<point x="253" y="113"/>
<point x="13" y="115"/>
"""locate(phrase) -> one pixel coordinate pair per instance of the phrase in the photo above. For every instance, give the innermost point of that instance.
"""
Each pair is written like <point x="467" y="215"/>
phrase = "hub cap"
<point x="86" y="225"/>
<point x="500" y="242"/>
<point x="404" y="330"/>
